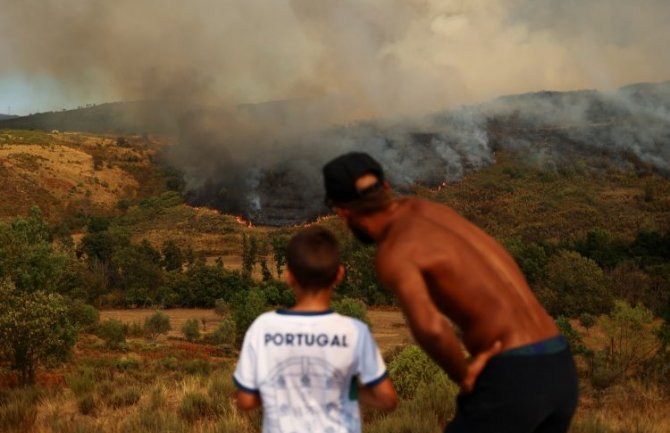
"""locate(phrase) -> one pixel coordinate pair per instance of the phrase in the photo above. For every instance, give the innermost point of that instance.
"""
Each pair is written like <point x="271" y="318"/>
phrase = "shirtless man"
<point x="521" y="375"/>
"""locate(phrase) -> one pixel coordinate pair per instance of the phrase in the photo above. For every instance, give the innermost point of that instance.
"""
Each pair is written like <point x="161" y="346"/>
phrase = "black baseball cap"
<point x="340" y="176"/>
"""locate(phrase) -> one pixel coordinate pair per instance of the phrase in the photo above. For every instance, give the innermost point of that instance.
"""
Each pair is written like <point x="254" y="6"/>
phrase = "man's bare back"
<point x="468" y="275"/>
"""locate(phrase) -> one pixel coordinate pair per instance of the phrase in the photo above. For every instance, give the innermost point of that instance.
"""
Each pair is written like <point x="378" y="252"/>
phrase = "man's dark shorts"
<point x="527" y="389"/>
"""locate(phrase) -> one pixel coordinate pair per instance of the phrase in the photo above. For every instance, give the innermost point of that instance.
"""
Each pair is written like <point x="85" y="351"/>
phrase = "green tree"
<point x="249" y="254"/>
<point x="149" y="252"/>
<point x="278" y="293"/>
<point x="587" y="321"/>
<point x="206" y="284"/>
<point x="27" y="257"/>
<point x="579" y="284"/>
<point x="531" y="257"/>
<point x="600" y="246"/>
<point x="173" y="258"/>
<point x="265" y="270"/>
<point x="361" y="279"/>
<point x="137" y="274"/>
<point x="157" y="324"/>
<point x="246" y="306"/>
<point x="278" y="244"/>
<point x="34" y="329"/>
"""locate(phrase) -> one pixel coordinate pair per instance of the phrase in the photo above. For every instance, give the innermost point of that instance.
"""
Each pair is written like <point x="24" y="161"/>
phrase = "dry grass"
<point x="67" y="173"/>
<point x="178" y="317"/>
<point x="167" y="390"/>
<point x="388" y="325"/>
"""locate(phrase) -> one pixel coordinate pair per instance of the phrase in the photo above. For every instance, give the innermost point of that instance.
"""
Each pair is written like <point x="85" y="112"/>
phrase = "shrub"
<point x="169" y="363"/>
<point x="587" y="320"/>
<point x="113" y="332"/>
<point x="221" y="307"/>
<point x="632" y="339"/>
<point x="81" y="382"/>
<point x="85" y="317"/>
<point x="157" y="398"/>
<point x="191" y="330"/>
<point x="124" y="398"/>
<point x="198" y="366"/>
<point x="411" y="367"/>
<point x="128" y="363"/>
<point x="86" y="404"/>
<point x="353" y="308"/>
<point x="156" y="324"/>
<point x="225" y="333"/>
<point x="221" y="388"/>
<point x="195" y="406"/>
<point x="34" y="328"/>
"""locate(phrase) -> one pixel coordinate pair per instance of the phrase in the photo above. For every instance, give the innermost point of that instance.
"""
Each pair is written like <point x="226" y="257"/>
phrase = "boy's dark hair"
<point x="313" y="257"/>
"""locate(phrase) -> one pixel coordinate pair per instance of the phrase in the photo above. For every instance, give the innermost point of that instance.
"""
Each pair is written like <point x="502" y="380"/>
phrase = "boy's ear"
<point x="288" y="277"/>
<point x="340" y="276"/>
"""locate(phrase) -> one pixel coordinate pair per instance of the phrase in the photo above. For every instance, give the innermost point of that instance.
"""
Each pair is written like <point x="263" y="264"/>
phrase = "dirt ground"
<point x="388" y="326"/>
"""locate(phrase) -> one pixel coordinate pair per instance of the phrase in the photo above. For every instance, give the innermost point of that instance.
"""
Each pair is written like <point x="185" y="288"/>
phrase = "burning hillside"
<point x="278" y="181"/>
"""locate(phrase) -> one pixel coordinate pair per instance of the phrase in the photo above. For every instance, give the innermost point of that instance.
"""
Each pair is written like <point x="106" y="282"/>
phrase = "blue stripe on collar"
<point x="304" y="313"/>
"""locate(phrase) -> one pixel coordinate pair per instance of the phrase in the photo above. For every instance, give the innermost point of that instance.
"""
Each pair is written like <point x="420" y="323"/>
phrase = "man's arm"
<point x="380" y="396"/>
<point x="247" y="400"/>
<point x="429" y="326"/>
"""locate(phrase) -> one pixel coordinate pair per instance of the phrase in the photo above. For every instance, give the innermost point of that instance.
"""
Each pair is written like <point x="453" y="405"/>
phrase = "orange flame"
<point x="241" y="220"/>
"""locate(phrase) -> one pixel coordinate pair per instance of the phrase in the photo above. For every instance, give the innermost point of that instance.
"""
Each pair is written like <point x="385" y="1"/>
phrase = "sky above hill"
<point x="369" y="58"/>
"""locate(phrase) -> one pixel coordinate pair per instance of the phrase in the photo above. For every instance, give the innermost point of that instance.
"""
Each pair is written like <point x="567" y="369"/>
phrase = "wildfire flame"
<point x="241" y="220"/>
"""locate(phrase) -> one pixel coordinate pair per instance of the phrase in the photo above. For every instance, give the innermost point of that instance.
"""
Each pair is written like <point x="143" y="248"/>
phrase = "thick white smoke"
<point x="328" y="65"/>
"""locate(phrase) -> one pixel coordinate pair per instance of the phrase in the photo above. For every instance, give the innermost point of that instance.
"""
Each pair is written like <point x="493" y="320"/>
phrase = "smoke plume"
<point x="353" y="74"/>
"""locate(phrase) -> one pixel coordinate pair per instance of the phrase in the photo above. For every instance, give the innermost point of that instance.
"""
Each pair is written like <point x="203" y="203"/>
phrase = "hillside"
<point x="262" y="161"/>
<point x="113" y="118"/>
<point x="71" y="176"/>
<point x="69" y="173"/>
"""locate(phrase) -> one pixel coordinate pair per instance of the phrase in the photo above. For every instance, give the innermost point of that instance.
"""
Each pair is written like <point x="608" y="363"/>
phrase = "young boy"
<point x="301" y="364"/>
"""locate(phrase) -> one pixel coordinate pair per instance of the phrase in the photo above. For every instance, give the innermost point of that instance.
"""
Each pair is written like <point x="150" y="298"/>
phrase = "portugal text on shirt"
<point x="305" y="339"/>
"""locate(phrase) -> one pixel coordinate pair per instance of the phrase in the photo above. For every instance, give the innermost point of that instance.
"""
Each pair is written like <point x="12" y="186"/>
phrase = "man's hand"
<point x="476" y="365"/>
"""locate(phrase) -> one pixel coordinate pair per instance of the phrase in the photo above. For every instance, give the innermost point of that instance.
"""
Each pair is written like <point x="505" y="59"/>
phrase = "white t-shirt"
<point x="303" y="363"/>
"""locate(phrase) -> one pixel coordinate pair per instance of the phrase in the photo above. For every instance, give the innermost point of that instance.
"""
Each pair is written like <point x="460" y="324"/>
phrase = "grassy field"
<point x="388" y="325"/>
<point x="171" y="385"/>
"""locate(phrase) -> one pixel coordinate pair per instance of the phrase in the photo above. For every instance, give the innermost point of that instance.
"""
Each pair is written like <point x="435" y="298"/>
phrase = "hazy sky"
<point x="381" y="57"/>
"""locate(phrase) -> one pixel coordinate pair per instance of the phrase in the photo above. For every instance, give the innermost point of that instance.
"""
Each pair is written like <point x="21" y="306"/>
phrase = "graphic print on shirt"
<point x="296" y="385"/>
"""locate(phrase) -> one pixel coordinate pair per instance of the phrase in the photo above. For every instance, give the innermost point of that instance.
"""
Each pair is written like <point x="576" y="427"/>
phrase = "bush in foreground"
<point x="34" y="329"/>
